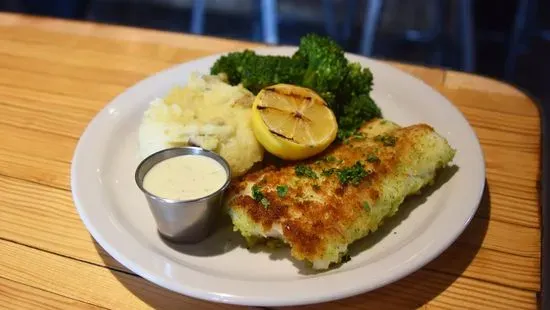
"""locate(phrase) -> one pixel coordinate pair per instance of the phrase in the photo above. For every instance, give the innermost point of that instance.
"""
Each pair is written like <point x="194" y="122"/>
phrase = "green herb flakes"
<point x="330" y="159"/>
<point x="352" y="175"/>
<point x="282" y="190"/>
<point x="328" y="172"/>
<point x="386" y="140"/>
<point x="371" y="158"/>
<point x="366" y="206"/>
<point x="344" y="134"/>
<point x="259" y="196"/>
<point x="257" y="192"/>
<point x="305" y="171"/>
<point x="359" y="136"/>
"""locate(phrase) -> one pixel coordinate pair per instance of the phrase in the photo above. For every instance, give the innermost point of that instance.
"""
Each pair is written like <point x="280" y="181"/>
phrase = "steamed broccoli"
<point x="319" y="64"/>
<point x="359" y="109"/>
<point x="359" y="106"/>
<point x="255" y="72"/>
<point x="231" y="65"/>
<point x="358" y="80"/>
<point x="326" y="65"/>
<point x="262" y="71"/>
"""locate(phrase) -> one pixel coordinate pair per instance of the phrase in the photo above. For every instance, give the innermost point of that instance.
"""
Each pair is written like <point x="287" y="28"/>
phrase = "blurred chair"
<point x="266" y="8"/>
<point x="270" y="21"/>
<point x="525" y="27"/>
<point x="373" y="13"/>
<point x="197" y="16"/>
<point x="338" y="32"/>
<point x="268" y="13"/>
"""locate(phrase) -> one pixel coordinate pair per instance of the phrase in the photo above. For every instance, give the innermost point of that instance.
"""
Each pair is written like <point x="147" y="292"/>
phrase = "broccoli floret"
<point x="359" y="109"/>
<point x="232" y="65"/>
<point x="255" y="72"/>
<point x="262" y="71"/>
<point x="358" y="80"/>
<point x="326" y="65"/>
<point x="355" y="91"/>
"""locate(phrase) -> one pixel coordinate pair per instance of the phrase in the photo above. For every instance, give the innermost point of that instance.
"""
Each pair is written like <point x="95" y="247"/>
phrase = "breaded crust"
<point x="321" y="213"/>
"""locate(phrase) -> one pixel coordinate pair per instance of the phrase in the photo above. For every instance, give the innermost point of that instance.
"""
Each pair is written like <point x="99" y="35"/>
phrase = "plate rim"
<point x="263" y="301"/>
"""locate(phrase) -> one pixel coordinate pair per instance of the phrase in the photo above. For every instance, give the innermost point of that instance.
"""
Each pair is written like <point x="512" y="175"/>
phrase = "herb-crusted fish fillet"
<point x="318" y="207"/>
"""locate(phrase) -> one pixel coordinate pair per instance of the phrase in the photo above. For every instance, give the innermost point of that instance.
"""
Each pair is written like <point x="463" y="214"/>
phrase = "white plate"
<point x="220" y="269"/>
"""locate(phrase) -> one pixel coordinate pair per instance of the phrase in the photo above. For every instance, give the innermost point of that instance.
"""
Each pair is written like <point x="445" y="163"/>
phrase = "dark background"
<point x="494" y="22"/>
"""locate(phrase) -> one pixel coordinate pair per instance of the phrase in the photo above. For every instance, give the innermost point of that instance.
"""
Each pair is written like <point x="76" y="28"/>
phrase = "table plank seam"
<point x="480" y="280"/>
<point x="69" y="257"/>
<point x="458" y="241"/>
<point x="41" y="91"/>
<point x="98" y="51"/>
<point x="483" y="126"/>
<point x="95" y="83"/>
<point x="51" y="292"/>
<point x="35" y="182"/>
<point x="496" y="112"/>
<point x="488" y="218"/>
<point x="38" y="101"/>
<point x="73" y="77"/>
<point x="41" y="130"/>
<point x="55" y="93"/>
<point x="237" y="45"/>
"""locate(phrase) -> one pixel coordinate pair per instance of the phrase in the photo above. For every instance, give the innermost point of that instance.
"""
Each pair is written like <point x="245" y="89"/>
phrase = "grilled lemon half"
<point x="292" y="122"/>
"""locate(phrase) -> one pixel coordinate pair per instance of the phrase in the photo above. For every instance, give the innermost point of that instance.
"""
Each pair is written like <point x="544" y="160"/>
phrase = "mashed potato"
<point x="208" y="113"/>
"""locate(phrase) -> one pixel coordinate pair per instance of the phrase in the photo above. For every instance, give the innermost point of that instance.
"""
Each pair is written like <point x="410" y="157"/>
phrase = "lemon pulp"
<point x="292" y="122"/>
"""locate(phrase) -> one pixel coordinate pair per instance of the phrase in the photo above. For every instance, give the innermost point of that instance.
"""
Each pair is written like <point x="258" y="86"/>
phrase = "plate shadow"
<point x="222" y="240"/>
<point x="417" y="289"/>
<point x="153" y="295"/>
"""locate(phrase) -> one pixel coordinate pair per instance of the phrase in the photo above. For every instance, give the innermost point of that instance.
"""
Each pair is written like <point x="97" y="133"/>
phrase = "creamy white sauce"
<point x="185" y="177"/>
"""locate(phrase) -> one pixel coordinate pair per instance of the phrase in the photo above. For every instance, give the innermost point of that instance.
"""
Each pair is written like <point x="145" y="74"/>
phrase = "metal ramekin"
<point x="183" y="221"/>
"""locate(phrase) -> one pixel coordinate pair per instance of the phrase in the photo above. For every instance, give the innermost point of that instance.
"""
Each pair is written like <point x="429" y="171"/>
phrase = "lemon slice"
<point x="292" y="122"/>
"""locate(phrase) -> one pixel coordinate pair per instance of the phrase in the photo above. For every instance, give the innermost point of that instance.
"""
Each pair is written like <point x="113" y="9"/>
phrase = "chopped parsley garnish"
<point x="257" y="192"/>
<point x="371" y="158"/>
<point x="305" y="171"/>
<point x="328" y="172"/>
<point x="330" y="159"/>
<point x="359" y="135"/>
<point x="259" y="196"/>
<point x="352" y="175"/>
<point x="366" y="206"/>
<point x="316" y="187"/>
<point x="344" y="134"/>
<point x="386" y="140"/>
<point x="282" y="190"/>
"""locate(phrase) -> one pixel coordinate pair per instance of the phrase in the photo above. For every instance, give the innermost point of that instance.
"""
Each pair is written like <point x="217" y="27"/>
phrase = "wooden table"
<point x="56" y="75"/>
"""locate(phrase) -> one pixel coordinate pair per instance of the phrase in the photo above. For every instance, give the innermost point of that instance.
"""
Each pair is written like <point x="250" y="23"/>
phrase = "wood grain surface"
<point x="55" y="75"/>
